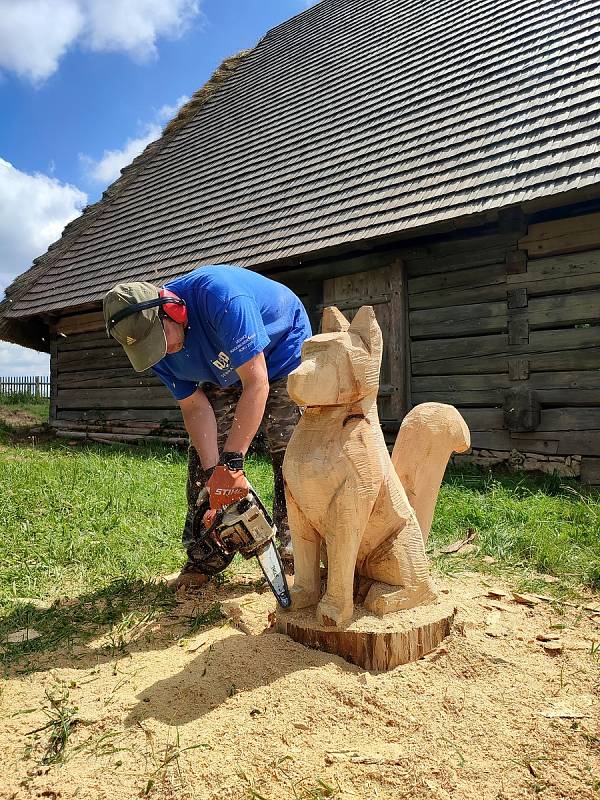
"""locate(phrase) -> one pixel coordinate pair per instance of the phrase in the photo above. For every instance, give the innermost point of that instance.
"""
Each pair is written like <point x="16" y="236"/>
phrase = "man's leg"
<point x="281" y="417"/>
<point x="223" y="402"/>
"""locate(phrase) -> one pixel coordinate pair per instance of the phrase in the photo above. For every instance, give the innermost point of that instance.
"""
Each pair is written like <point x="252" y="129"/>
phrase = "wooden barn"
<point x="440" y="161"/>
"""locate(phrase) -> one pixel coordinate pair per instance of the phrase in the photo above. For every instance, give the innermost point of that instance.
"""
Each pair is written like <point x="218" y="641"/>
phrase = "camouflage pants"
<point x="280" y="418"/>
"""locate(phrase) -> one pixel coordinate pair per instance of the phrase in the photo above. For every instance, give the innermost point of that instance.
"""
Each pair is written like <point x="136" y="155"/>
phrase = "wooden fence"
<point x="34" y="385"/>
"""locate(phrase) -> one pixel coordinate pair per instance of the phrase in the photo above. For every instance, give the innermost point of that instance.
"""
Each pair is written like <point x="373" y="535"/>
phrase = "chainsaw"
<point x="243" y="527"/>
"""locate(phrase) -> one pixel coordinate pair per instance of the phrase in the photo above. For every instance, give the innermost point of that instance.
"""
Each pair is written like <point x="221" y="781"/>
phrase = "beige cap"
<point x="141" y="333"/>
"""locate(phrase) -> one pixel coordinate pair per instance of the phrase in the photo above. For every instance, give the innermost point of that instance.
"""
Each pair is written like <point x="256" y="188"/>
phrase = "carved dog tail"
<point x="428" y="436"/>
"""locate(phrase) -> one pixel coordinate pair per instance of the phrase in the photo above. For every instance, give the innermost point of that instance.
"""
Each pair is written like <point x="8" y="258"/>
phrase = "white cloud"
<point x="166" y="112"/>
<point x="134" y="26"/>
<point x="35" y="34"/>
<point x="15" y="360"/>
<point x="33" y="212"/>
<point x="108" y="168"/>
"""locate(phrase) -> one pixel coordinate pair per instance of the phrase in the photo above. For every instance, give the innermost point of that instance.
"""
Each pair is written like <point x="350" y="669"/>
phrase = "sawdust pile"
<point x="239" y="711"/>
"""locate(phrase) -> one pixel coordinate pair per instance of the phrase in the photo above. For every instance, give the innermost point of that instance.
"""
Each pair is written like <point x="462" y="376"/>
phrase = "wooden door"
<point x="384" y="290"/>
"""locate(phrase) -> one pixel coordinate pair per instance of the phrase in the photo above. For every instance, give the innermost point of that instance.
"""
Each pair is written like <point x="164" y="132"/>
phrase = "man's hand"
<point x="226" y="486"/>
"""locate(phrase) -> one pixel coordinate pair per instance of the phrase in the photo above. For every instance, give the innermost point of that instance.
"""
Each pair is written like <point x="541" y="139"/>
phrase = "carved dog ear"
<point x="333" y="321"/>
<point x="366" y="326"/>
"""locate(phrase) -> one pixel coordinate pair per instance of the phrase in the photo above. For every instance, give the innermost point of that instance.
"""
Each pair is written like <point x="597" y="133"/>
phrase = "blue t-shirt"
<point x="233" y="314"/>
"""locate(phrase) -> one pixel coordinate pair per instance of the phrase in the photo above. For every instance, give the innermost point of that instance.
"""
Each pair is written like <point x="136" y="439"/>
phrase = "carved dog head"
<point x="340" y="365"/>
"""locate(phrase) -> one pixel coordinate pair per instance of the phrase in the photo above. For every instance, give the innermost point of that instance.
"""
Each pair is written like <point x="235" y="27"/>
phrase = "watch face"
<point x="232" y="460"/>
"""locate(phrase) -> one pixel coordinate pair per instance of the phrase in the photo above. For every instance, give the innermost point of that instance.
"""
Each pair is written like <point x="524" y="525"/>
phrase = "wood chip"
<point x="563" y="713"/>
<point x="525" y="599"/>
<point x="366" y="679"/>
<point x="552" y="648"/>
<point x="492" y="605"/>
<point x="462" y="544"/>
<point x="547" y="637"/>
<point x="358" y="758"/>
<point x="546" y="598"/>
<point x="23" y="635"/>
<point x="495" y="631"/>
<point x="193" y="646"/>
<point x="497" y="594"/>
<point x="582" y="645"/>
<point x="438" y="653"/>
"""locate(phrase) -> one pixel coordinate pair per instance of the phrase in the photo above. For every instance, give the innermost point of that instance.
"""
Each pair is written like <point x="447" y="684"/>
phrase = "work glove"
<point x="226" y="486"/>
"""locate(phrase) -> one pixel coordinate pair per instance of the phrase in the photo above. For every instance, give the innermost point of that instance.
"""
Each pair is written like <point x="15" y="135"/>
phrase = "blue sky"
<point x="84" y="86"/>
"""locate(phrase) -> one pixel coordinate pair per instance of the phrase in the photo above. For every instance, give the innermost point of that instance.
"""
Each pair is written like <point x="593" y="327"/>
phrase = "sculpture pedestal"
<point x="374" y="643"/>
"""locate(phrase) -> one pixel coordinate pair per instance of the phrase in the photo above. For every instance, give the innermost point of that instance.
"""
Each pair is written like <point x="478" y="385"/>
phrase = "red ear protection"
<point x="177" y="310"/>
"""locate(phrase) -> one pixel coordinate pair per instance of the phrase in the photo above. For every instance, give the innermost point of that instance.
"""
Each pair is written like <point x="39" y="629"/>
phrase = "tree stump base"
<point x="373" y="643"/>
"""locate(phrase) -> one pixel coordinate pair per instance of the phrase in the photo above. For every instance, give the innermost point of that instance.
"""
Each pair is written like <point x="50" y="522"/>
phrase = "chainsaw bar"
<point x="272" y="569"/>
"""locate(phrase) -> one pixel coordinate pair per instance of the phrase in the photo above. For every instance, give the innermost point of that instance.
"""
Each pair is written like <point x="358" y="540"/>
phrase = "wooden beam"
<point x="565" y="309"/>
<point x="585" y="358"/>
<point x="474" y="347"/>
<point x="129" y="414"/>
<point x="518" y="331"/>
<point x="53" y="379"/>
<point x="567" y="235"/>
<point x="462" y="320"/>
<point x="518" y="369"/>
<point x="590" y="471"/>
<point x="463" y="278"/>
<point x="516" y="262"/>
<point x="79" y="323"/>
<point x="138" y="397"/>
<point x="517" y="298"/>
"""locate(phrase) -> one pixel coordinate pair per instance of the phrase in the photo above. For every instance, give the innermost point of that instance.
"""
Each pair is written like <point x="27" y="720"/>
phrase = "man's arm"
<point x="199" y="417"/>
<point x="251" y="405"/>
<point x="201" y="425"/>
<point x="225" y="485"/>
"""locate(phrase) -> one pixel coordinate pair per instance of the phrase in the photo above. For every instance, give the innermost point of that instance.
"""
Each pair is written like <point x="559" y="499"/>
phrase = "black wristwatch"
<point x="232" y="460"/>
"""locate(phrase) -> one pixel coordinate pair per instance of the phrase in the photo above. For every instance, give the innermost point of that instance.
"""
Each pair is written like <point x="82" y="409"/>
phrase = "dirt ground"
<point x="23" y="427"/>
<point x="16" y="417"/>
<point x="238" y="711"/>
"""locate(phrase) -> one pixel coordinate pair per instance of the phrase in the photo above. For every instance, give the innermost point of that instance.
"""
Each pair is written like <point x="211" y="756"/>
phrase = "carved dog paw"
<point x="332" y="616"/>
<point x="384" y="599"/>
<point x="301" y="598"/>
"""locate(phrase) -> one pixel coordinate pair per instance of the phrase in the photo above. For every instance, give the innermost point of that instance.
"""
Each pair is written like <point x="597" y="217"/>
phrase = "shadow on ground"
<point x="129" y="617"/>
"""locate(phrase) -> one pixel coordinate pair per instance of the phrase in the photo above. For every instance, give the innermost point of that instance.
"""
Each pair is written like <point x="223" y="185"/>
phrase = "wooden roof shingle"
<point x="353" y="120"/>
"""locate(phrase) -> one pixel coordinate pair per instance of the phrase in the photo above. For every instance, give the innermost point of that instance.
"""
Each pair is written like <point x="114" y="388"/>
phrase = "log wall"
<point x="486" y="314"/>
<point x="519" y="310"/>
<point x="96" y="393"/>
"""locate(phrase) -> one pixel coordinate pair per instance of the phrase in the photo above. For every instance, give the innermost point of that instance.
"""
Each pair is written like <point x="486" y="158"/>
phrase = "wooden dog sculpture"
<point x="341" y="486"/>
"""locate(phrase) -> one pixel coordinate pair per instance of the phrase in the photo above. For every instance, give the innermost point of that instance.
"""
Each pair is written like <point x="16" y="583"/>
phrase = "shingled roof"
<point x="353" y="120"/>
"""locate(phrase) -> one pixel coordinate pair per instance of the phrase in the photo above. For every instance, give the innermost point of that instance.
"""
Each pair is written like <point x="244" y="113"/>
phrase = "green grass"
<point x="120" y="608"/>
<point x="18" y="413"/>
<point x="533" y="524"/>
<point x="37" y="407"/>
<point x="95" y="522"/>
<point x="76" y="518"/>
